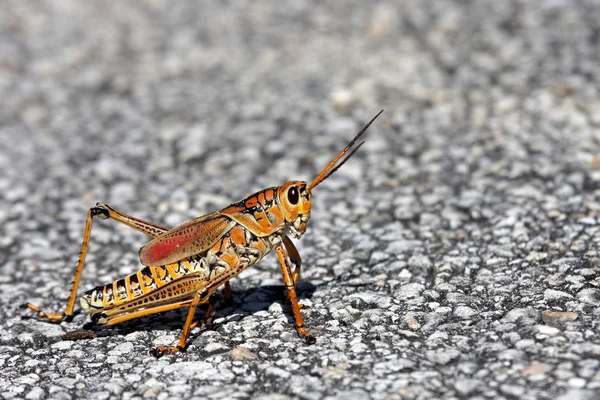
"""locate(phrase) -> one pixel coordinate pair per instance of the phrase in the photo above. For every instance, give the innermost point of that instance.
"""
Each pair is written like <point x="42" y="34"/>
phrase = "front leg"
<point x="294" y="257"/>
<point x="297" y="261"/>
<point x="290" y="286"/>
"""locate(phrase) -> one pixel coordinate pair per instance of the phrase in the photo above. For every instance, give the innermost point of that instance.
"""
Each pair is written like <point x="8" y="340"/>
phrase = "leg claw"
<point x="161" y="351"/>
<point x="50" y="317"/>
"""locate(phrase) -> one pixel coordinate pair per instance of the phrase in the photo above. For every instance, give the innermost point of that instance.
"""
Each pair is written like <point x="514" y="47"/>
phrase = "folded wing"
<point x="193" y="237"/>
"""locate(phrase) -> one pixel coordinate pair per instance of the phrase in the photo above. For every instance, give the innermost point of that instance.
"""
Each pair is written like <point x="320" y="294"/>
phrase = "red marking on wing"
<point x="160" y="250"/>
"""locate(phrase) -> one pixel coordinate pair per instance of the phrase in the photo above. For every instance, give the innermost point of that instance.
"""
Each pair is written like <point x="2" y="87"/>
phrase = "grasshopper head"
<point x="294" y="198"/>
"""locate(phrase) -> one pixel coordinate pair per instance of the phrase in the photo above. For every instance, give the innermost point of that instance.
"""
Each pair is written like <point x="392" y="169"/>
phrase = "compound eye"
<point x="293" y="195"/>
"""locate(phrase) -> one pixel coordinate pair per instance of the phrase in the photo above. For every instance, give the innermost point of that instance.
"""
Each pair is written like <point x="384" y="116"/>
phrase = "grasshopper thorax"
<point x="294" y="199"/>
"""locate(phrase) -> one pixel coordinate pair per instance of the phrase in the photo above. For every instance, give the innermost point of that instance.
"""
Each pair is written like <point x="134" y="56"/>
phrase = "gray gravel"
<point x="456" y="256"/>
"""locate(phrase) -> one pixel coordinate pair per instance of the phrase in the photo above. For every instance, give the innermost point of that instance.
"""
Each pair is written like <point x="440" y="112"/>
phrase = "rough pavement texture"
<point x="455" y="256"/>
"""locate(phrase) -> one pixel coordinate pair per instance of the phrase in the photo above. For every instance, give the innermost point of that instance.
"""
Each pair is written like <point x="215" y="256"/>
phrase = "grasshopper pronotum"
<point x="185" y="265"/>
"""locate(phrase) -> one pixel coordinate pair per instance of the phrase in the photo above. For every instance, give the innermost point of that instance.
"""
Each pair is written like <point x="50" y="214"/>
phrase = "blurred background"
<point x="480" y="179"/>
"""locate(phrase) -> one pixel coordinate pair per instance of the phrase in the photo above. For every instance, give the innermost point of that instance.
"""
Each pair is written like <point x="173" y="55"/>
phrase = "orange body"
<point x="215" y="247"/>
<point x="185" y="265"/>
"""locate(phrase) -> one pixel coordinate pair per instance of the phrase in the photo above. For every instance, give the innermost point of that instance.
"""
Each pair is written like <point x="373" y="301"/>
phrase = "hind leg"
<point x="101" y="211"/>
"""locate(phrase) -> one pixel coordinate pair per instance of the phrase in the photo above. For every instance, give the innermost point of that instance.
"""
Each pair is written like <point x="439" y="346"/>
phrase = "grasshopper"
<point x="184" y="266"/>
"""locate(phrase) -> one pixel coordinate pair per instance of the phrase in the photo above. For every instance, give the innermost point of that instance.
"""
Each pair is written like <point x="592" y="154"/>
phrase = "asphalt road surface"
<point x="455" y="256"/>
